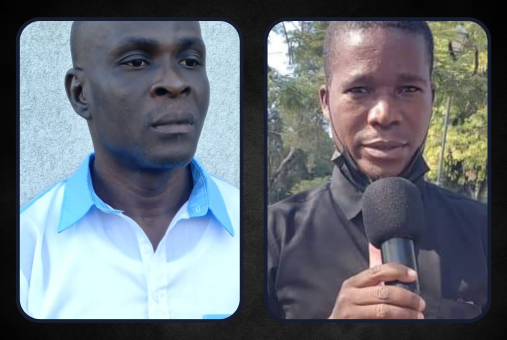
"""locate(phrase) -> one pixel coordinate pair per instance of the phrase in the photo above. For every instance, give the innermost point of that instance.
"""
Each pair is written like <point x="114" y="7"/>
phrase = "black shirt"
<point x="316" y="240"/>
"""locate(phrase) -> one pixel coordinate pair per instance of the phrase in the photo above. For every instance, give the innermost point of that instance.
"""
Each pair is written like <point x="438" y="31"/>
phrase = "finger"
<point x="391" y="295"/>
<point x="385" y="311"/>
<point x="382" y="273"/>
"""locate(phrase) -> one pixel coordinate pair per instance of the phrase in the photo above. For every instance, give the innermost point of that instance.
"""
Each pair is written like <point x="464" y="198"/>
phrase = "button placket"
<point x="156" y="296"/>
<point x="158" y="284"/>
<point x="154" y="268"/>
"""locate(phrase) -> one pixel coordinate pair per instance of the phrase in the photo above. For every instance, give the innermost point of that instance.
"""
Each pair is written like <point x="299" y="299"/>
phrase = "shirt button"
<point x="156" y="296"/>
<point x="146" y="248"/>
<point x="198" y="208"/>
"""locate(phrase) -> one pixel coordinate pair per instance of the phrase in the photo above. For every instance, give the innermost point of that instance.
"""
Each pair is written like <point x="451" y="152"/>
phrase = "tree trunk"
<point x="442" y="150"/>
<point x="283" y="164"/>
<point x="480" y="190"/>
<point x="290" y="49"/>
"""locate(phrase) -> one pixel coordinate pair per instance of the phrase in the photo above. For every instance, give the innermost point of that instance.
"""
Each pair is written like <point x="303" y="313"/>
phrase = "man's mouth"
<point x="174" y="123"/>
<point x="385" y="149"/>
<point x="174" y="127"/>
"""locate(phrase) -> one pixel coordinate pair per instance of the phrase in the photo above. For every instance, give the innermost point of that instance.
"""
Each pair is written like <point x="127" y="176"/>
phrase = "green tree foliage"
<point x="460" y="74"/>
<point x="299" y="147"/>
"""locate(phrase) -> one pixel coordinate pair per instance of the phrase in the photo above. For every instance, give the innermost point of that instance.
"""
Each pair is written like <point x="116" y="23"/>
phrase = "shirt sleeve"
<point x="273" y="255"/>
<point x="484" y="225"/>
<point x="484" y="231"/>
<point x="28" y="236"/>
<point x="23" y="292"/>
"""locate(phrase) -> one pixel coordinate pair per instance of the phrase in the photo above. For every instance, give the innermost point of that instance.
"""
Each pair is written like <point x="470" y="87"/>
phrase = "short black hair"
<point x="337" y="28"/>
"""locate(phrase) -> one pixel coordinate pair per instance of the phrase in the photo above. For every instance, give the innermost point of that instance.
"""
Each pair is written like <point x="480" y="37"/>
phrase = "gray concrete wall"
<point x="54" y="140"/>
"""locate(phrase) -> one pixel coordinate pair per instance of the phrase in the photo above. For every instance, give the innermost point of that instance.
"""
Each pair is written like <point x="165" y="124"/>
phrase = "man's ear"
<point x="75" y="92"/>
<point x="324" y="100"/>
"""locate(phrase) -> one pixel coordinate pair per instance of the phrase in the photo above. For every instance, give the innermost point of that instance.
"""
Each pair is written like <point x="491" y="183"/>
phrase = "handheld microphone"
<point x="393" y="221"/>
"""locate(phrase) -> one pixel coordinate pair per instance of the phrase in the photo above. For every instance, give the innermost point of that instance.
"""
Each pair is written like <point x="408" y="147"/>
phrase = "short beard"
<point x="140" y="160"/>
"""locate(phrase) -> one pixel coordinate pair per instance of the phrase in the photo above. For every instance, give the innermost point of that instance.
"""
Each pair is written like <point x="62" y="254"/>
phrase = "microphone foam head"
<point x="392" y="207"/>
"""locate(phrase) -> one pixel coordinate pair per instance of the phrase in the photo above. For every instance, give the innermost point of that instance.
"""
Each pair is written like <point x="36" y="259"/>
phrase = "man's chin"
<point x="167" y="163"/>
<point x="377" y="171"/>
<point x="153" y="162"/>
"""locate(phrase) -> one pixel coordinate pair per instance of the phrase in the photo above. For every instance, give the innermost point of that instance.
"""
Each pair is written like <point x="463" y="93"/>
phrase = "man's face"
<point x="147" y="90"/>
<point x="379" y="98"/>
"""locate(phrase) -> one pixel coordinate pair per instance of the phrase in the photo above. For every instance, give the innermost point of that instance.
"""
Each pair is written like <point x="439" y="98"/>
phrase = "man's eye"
<point x="137" y="63"/>
<point x="409" y="89"/>
<point x="190" y="63"/>
<point x="359" y="90"/>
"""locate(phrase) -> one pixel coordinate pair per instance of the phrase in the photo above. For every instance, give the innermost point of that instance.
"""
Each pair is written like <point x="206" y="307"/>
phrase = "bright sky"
<point x="277" y="53"/>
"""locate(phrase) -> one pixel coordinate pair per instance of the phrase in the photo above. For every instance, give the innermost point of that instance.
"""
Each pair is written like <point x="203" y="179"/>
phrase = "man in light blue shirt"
<point x="140" y="230"/>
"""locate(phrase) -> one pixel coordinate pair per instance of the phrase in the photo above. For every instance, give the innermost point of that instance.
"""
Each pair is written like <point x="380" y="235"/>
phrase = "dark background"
<point x="253" y="19"/>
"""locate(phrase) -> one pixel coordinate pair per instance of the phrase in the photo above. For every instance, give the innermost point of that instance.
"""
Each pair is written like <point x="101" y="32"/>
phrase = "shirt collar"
<point x="348" y="182"/>
<point x="345" y="195"/>
<point x="79" y="197"/>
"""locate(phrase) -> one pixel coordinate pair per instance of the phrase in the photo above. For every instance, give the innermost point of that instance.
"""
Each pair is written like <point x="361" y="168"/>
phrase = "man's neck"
<point x="151" y="198"/>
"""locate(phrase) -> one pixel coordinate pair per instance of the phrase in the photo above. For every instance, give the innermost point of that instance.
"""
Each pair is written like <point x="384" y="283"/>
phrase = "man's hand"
<point x="361" y="297"/>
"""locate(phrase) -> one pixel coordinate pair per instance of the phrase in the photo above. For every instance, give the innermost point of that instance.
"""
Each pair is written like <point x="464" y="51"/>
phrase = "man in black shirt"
<point x="378" y="98"/>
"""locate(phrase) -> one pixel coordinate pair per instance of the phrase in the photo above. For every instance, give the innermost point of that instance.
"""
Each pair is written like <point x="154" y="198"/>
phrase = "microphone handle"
<point x="401" y="250"/>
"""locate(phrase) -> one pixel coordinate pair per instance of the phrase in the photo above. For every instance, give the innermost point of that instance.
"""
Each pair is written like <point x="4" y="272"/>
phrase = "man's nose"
<point x="170" y="84"/>
<point x="384" y="112"/>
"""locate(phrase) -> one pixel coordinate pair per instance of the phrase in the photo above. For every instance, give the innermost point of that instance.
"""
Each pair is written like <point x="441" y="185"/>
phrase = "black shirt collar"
<point x="348" y="182"/>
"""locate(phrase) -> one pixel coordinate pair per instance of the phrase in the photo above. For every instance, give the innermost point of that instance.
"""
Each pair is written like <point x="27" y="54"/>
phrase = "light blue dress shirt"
<point x="82" y="259"/>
